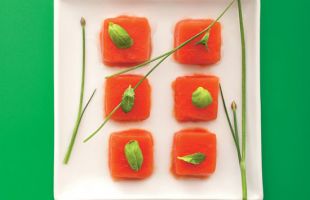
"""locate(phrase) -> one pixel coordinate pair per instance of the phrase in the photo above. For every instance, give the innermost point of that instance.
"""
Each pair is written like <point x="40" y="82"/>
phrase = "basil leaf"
<point x="134" y="155"/>
<point x="194" y="159"/>
<point x="128" y="99"/>
<point x="204" y="40"/>
<point x="119" y="36"/>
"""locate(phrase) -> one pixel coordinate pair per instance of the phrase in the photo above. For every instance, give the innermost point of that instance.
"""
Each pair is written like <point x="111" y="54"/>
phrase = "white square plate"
<point x="87" y="175"/>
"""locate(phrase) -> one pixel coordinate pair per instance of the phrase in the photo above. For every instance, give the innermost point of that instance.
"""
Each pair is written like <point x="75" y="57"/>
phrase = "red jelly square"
<point x="191" y="141"/>
<point x="139" y="30"/>
<point x="118" y="164"/>
<point x="114" y="90"/>
<point x="193" y="53"/>
<point x="184" y="109"/>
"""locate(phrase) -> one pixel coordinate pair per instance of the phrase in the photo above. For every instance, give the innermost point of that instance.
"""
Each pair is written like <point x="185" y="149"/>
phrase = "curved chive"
<point x="241" y="153"/>
<point x="80" y="111"/>
<point x="243" y="109"/>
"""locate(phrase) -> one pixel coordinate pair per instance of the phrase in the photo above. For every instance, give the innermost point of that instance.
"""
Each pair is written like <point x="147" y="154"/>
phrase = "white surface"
<point x="87" y="175"/>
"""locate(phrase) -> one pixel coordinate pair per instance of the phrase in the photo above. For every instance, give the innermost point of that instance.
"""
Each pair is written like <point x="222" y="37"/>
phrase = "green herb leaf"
<point x="134" y="155"/>
<point x="204" y="40"/>
<point x="119" y="36"/>
<point x="128" y="99"/>
<point x="194" y="159"/>
<point x="201" y="97"/>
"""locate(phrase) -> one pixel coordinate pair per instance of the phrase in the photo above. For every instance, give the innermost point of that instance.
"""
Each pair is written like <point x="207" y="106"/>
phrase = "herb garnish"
<point x="201" y="97"/>
<point x="134" y="155"/>
<point x="119" y="36"/>
<point x="163" y="57"/>
<point x="128" y="99"/>
<point x="80" y="110"/>
<point x="204" y="40"/>
<point x="108" y="117"/>
<point x="241" y="151"/>
<point x="167" y="54"/>
<point x="194" y="159"/>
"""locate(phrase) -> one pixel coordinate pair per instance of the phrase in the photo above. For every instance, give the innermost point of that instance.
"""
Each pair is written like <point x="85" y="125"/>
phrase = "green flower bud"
<point x="234" y="106"/>
<point x="201" y="97"/>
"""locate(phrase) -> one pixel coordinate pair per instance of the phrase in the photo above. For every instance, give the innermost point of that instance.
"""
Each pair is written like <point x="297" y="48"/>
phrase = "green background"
<point x="26" y="99"/>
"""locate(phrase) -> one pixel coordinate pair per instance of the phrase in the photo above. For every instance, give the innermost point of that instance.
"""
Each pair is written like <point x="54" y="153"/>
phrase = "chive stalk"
<point x="75" y="130"/>
<point x="230" y="125"/>
<point x="243" y="111"/>
<point x="81" y="110"/>
<point x="107" y="118"/>
<point x="235" y="134"/>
